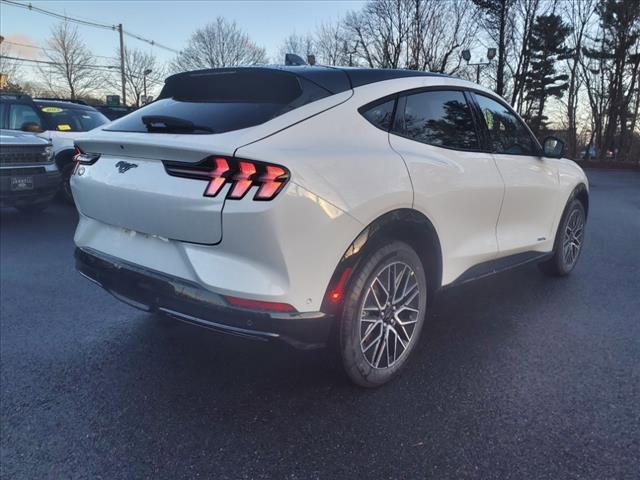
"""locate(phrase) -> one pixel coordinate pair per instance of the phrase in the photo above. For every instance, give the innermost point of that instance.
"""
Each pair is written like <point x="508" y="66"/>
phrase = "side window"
<point x="23" y="117"/>
<point x="440" y="118"/>
<point x="381" y="114"/>
<point x="3" y="110"/>
<point x="507" y="133"/>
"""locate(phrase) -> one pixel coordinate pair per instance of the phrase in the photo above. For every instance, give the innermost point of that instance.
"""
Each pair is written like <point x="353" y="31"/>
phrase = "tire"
<point x="65" y="187"/>
<point x="568" y="243"/>
<point x="374" y="344"/>
<point x="32" y="208"/>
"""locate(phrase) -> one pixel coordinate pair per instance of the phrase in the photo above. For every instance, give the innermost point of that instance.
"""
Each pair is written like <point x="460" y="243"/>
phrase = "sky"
<point x="167" y="22"/>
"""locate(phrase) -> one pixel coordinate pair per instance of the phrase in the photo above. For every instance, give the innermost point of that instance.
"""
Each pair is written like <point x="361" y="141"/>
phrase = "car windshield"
<point x="63" y="119"/>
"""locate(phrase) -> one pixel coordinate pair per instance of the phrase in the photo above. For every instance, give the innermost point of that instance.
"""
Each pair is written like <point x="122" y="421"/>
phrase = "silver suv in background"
<point x="59" y="121"/>
<point x="29" y="177"/>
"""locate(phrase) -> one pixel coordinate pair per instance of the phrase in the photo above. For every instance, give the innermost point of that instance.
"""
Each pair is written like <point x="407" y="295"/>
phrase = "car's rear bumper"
<point x="187" y="301"/>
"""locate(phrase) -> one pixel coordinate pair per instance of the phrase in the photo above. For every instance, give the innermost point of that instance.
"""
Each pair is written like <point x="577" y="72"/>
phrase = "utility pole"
<point x="124" y="90"/>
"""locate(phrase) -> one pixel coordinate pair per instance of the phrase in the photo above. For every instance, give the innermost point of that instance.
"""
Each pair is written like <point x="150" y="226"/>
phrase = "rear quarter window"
<point x="380" y="114"/>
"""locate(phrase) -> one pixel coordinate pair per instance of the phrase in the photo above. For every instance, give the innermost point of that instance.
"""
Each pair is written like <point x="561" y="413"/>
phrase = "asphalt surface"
<point x="517" y="376"/>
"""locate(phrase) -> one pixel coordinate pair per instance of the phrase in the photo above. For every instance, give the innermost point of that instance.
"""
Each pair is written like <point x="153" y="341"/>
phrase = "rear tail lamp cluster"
<point x="83" y="158"/>
<point x="240" y="174"/>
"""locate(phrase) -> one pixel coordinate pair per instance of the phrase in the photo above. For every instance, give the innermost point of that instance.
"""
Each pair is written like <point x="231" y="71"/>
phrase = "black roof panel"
<point x="365" y="76"/>
<point x="332" y="79"/>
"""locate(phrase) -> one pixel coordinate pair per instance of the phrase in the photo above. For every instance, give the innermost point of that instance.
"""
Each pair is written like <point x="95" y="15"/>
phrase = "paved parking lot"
<point x="516" y="376"/>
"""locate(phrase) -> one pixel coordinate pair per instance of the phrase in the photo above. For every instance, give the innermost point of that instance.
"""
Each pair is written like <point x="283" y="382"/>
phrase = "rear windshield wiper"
<point x="174" y="124"/>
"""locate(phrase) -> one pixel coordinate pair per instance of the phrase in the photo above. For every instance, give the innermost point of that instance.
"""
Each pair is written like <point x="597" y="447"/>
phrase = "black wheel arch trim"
<point x="64" y="157"/>
<point x="399" y="224"/>
<point x="581" y="192"/>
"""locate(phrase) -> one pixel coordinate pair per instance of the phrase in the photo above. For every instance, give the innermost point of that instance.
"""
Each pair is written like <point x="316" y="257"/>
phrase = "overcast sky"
<point x="167" y="22"/>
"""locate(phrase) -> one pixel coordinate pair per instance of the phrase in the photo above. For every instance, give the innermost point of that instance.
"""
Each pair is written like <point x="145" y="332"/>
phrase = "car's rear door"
<point x="456" y="183"/>
<point x="531" y="181"/>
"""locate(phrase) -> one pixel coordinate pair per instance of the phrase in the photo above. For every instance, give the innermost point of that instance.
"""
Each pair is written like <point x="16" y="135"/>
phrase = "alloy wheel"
<point x="573" y="237"/>
<point x="389" y="314"/>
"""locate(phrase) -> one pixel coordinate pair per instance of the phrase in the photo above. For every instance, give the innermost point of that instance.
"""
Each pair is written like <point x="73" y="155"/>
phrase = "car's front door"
<point x="531" y="181"/>
<point x="456" y="184"/>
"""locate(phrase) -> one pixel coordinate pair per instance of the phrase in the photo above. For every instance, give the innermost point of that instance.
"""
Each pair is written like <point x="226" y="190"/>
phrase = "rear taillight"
<point x="85" y="158"/>
<point x="240" y="174"/>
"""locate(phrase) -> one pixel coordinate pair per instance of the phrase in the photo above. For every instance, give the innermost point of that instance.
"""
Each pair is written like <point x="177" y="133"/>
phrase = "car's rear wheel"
<point x="383" y="314"/>
<point x="568" y="242"/>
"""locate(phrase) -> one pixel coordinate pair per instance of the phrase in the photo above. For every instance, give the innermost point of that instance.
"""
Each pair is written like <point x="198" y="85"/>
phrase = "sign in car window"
<point x="51" y="109"/>
<point x="64" y="127"/>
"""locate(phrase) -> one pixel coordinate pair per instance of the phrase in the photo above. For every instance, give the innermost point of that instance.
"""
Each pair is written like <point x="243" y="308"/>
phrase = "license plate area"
<point x="21" y="183"/>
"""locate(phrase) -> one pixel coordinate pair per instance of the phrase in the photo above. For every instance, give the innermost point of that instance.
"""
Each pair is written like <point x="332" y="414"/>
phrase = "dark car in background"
<point x="29" y="177"/>
<point x="114" y="112"/>
<point x="59" y="121"/>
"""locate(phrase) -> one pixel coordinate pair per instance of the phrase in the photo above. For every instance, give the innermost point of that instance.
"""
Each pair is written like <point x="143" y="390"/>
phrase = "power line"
<point x="90" y="23"/>
<point x="46" y="62"/>
<point x="97" y="67"/>
<point x="36" y="47"/>
<point x="31" y="7"/>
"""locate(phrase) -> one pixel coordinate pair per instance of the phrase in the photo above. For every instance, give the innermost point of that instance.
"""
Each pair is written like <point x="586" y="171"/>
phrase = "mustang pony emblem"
<point x="124" y="166"/>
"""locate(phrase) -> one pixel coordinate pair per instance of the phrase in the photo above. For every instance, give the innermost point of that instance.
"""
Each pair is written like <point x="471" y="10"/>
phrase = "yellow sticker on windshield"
<point x="51" y="109"/>
<point x="64" y="127"/>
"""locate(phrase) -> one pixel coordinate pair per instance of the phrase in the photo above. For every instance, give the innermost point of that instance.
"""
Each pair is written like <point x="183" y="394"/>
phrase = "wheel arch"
<point x="64" y="157"/>
<point x="405" y="224"/>
<point x="582" y="194"/>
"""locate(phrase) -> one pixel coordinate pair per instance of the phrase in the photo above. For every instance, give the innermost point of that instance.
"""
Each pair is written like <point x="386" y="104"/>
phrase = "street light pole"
<point x="466" y="54"/>
<point x="124" y="88"/>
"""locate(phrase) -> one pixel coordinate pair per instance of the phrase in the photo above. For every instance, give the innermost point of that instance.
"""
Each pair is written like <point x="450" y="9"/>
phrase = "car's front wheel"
<point x="568" y="242"/>
<point x="383" y="314"/>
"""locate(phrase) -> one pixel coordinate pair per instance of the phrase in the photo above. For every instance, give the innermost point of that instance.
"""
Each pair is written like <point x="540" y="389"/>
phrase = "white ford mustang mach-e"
<point x="319" y="205"/>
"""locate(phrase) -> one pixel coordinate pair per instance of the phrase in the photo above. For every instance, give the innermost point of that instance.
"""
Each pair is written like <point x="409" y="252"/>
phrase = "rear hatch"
<point x="198" y="115"/>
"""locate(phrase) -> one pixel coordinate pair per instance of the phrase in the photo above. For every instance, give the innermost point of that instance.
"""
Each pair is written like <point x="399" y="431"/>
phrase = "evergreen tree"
<point x="542" y="81"/>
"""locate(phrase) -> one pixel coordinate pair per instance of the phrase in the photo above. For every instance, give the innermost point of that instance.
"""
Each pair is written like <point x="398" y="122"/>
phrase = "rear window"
<point x="63" y="119"/>
<point x="220" y="101"/>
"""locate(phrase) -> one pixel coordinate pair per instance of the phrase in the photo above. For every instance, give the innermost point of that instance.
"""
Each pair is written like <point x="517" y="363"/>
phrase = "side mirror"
<point x="553" y="147"/>
<point x="31" y="127"/>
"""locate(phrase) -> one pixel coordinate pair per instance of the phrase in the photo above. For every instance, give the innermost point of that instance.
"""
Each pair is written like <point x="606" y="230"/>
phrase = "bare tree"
<point x="9" y="66"/>
<point x="439" y="31"/>
<point x="524" y="15"/>
<point x="302" y="45"/>
<point x="380" y="32"/>
<point x="332" y="44"/>
<point x="579" y="13"/>
<point x="611" y="64"/>
<point x="497" y="23"/>
<point x="140" y="68"/>
<point x="415" y="34"/>
<point x="71" y="63"/>
<point x="219" y="44"/>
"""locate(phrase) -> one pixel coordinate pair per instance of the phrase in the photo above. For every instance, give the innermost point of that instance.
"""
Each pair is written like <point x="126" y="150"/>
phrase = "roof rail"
<point x="19" y="95"/>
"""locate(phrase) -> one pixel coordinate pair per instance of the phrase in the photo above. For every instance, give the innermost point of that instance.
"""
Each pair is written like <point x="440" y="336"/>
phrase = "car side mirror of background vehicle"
<point x="553" y="147"/>
<point x="31" y="127"/>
